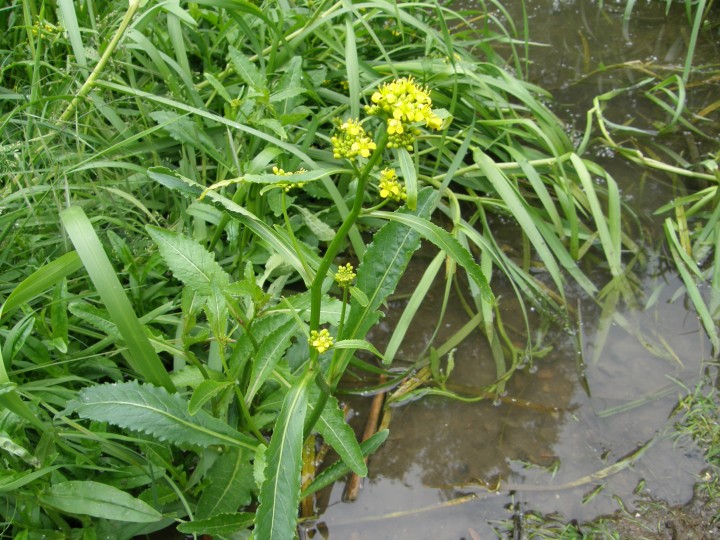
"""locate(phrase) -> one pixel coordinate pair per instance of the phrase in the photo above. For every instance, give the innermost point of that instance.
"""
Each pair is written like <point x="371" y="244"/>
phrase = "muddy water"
<point x="613" y="381"/>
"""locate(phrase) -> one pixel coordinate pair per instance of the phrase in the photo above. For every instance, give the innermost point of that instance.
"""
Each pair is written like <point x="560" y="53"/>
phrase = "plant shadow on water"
<point x="614" y="381"/>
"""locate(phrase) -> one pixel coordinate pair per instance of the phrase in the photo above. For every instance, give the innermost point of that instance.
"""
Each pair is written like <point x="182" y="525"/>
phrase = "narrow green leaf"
<point x="154" y="411"/>
<point x="446" y="242"/>
<point x="219" y="525"/>
<point x="356" y="344"/>
<point x="98" y="500"/>
<point x="518" y="207"/>
<point x="269" y="353"/>
<point x="72" y="29"/>
<point x="338" y="434"/>
<point x="40" y="281"/>
<point x="280" y="493"/>
<point x="407" y="167"/>
<point x="143" y="358"/>
<point x="339" y="469"/>
<point x="204" y="392"/>
<point x="319" y="228"/>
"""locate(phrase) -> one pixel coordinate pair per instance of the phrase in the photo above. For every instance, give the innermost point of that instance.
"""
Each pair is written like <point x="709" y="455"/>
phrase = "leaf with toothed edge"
<point x="153" y="410"/>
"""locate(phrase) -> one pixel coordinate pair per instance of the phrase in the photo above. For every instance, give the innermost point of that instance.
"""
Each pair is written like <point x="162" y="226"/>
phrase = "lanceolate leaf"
<point x="280" y="493"/>
<point x="189" y="261"/>
<point x="229" y="485"/>
<point x="338" y="434"/>
<point x="384" y="263"/>
<point x="445" y="241"/>
<point x="219" y="525"/>
<point x="156" y="412"/>
<point x="98" y="500"/>
<point x="339" y="469"/>
<point x="270" y="351"/>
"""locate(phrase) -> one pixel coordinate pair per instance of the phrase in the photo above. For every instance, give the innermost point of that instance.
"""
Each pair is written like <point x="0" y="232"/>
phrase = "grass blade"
<point x="143" y="358"/>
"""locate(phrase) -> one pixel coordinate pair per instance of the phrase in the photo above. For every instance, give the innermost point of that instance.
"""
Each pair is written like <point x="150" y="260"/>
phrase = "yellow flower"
<point x="390" y="187"/>
<point x="394" y="126"/>
<point x="321" y="341"/>
<point x="345" y="276"/>
<point x="352" y="141"/>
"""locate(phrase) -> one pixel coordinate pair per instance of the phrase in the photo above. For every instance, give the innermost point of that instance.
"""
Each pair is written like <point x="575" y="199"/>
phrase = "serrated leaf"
<point x="189" y="261"/>
<point x="280" y="493"/>
<point x="218" y="525"/>
<point x="322" y="231"/>
<point x="154" y="411"/>
<point x="229" y="485"/>
<point x="269" y="353"/>
<point x="204" y="392"/>
<point x="274" y="238"/>
<point x="98" y="500"/>
<point x="247" y="70"/>
<point x="338" y="434"/>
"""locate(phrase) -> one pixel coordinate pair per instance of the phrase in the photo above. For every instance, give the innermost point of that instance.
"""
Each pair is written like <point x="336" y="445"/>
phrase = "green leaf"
<point x="189" y="261"/>
<point x="383" y="264"/>
<point x="447" y="243"/>
<point x="98" y="500"/>
<point x="338" y="434"/>
<point x="205" y="391"/>
<point x="142" y="357"/>
<point x="269" y="353"/>
<point x="247" y="70"/>
<point x="218" y="525"/>
<point x="41" y="280"/>
<point x="358" y="344"/>
<point x="339" y="469"/>
<point x="280" y="492"/>
<point x="407" y="167"/>
<point x="273" y="238"/>
<point x="320" y="229"/>
<point x="156" y="412"/>
<point x="229" y="485"/>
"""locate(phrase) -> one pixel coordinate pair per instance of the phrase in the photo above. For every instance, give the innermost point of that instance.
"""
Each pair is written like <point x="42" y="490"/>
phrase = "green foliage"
<point x="143" y="374"/>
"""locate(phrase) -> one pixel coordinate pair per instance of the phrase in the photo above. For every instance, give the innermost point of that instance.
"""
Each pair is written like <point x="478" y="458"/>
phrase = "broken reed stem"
<point x="352" y="489"/>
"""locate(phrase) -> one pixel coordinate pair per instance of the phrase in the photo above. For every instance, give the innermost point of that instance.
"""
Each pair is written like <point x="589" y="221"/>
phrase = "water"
<point x="602" y="406"/>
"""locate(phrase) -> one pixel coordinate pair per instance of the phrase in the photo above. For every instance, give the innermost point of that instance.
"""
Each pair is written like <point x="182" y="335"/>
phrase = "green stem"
<point x="246" y="415"/>
<point x="316" y="287"/>
<point x="90" y="82"/>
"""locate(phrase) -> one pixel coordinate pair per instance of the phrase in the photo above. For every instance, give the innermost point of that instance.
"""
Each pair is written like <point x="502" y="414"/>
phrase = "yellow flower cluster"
<point x="321" y="341"/>
<point x="403" y="101"/>
<point x="287" y="186"/>
<point x="390" y="186"/>
<point x="352" y="141"/>
<point x="345" y="276"/>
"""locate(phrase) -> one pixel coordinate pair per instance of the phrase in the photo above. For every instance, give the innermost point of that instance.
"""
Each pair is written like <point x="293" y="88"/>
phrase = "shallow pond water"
<point x="596" y="421"/>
